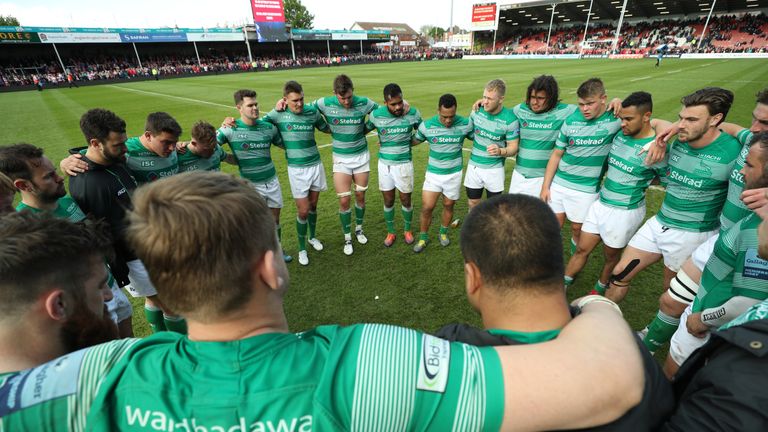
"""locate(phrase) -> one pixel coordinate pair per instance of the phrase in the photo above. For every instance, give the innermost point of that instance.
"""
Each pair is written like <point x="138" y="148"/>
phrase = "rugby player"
<point x="738" y="204"/>
<point x="445" y="134"/>
<point x="513" y="263"/>
<point x="345" y="114"/>
<point x="42" y="191"/>
<point x="250" y="140"/>
<point x="203" y="153"/>
<point x="734" y="278"/>
<point x="574" y="170"/>
<point x="250" y="373"/>
<point x="53" y="285"/>
<point x="721" y="386"/>
<point x="496" y="137"/>
<point x="395" y="129"/>
<point x="540" y="118"/>
<point x="700" y="164"/>
<point x="104" y="190"/>
<point x="620" y="210"/>
<point x="306" y="172"/>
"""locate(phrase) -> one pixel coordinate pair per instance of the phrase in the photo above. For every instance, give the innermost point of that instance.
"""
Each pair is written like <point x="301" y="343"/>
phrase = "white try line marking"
<point x="639" y="79"/>
<point x="171" y="96"/>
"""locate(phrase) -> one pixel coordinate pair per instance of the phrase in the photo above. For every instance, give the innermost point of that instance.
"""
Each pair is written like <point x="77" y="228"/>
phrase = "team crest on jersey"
<point x="383" y="131"/>
<point x="289" y="127"/>
<point x="335" y="121"/>
<point x="245" y="146"/>
<point x="434" y="140"/>
<point x="525" y="124"/>
<point x="571" y="142"/>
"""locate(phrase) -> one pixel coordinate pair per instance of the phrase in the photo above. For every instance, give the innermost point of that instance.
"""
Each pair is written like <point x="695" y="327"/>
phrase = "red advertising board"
<point x="484" y="16"/>
<point x="268" y="11"/>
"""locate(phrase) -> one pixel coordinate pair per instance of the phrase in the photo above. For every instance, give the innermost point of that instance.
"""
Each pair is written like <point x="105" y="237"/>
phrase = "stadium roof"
<point x="392" y="28"/>
<point x="574" y="11"/>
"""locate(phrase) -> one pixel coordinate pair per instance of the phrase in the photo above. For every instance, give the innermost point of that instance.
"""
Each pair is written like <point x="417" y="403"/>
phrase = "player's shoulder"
<point x="133" y="144"/>
<point x="460" y="120"/>
<point x="310" y="109"/>
<point x="358" y="101"/>
<point x="380" y="112"/>
<point x="730" y="144"/>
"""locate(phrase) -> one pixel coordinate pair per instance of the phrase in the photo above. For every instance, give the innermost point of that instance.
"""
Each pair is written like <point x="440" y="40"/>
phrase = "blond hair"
<point x="498" y="86"/>
<point x="198" y="235"/>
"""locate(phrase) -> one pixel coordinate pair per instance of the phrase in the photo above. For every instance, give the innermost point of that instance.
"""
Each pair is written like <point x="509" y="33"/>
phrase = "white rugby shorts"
<point x="307" y="178"/>
<point x="614" y="225"/>
<point x="526" y="186"/>
<point x="447" y="184"/>
<point x="352" y="164"/>
<point x="673" y="244"/>
<point x="398" y="176"/>
<point x="490" y="179"/>
<point x="271" y="192"/>
<point x="573" y="203"/>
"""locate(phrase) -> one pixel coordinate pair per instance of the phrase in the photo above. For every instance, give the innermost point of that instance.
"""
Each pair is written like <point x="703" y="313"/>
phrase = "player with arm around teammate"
<point x="252" y="373"/>
<point x="620" y="210"/>
<point x="445" y="134"/>
<point x="395" y="129"/>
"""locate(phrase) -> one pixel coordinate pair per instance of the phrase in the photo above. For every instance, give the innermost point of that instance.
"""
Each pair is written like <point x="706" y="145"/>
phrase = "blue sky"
<point x="334" y="14"/>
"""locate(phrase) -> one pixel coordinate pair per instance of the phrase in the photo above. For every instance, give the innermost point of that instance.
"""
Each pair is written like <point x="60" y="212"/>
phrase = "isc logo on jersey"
<point x="147" y="163"/>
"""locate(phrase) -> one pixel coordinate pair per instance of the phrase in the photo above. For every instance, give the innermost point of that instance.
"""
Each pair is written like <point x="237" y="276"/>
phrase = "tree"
<point x="7" y="20"/>
<point x="425" y="29"/>
<point x="297" y="15"/>
<point x="436" y="33"/>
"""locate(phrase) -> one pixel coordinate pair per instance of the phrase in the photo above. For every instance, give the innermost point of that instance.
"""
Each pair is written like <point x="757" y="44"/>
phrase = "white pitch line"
<point x="171" y="96"/>
<point x="674" y="71"/>
<point x="641" y="78"/>
<point x="708" y="64"/>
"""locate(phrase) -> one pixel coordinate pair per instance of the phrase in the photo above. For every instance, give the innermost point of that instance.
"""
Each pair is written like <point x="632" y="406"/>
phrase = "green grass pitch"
<point x="423" y="291"/>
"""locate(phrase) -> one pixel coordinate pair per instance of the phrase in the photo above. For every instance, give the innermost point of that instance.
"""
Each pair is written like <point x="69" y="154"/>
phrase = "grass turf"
<point x="424" y="290"/>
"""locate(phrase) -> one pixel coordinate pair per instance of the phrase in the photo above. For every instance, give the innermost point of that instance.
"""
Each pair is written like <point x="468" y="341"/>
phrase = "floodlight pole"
<point x="549" y="33"/>
<point x="137" y="54"/>
<point x="361" y="47"/>
<point x="293" y="50"/>
<point x="704" y="30"/>
<point x="247" y="45"/>
<point x="586" y="27"/>
<point x="450" y="30"/>
<point x="63" y="69"/>
<point x="197" y="54"/>
<point x="494" y="42"/>
<point x="328" y="45"/>
<point x="618" y="28"/>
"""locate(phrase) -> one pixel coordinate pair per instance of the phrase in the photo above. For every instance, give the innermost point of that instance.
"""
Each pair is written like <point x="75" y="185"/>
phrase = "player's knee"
<point x="683" y="289"/>
<point x="670" y="306"/>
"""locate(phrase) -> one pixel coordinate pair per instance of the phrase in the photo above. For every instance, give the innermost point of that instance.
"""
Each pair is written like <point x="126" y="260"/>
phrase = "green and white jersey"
<point x="734" y="208"/>
<point x="347" y="124"/>
<point x="298" y="134"/>
<point x="192" y="162"/>
<point x="492" y="129"/>
<point x="734" y="269"/>
<point x="628" y="177"/>
<point x="445" y="144"/>
<point x="526" y="337"/>
<point x="66" y="208"/>
<point x="366" y="377"/>
<point x="146" y="165"/>
<point x="586" y="144"/>
<point x="697" y="184"/>
<point x="538" y="133"/>
<point x="251" y="147"/>
<point x="755" y="312"/>
<point x="394" y="134"/>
